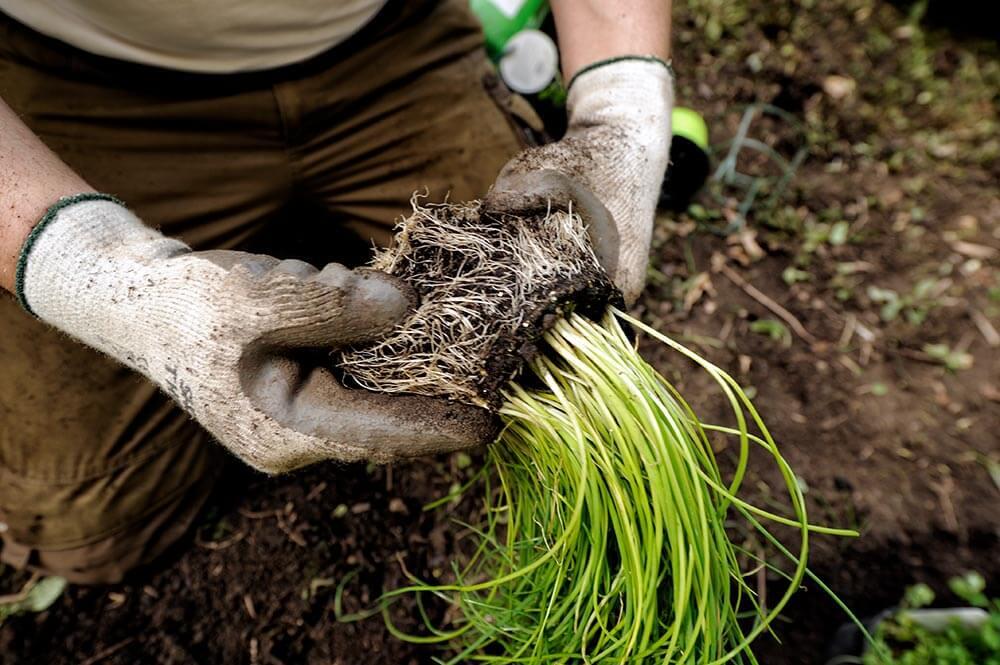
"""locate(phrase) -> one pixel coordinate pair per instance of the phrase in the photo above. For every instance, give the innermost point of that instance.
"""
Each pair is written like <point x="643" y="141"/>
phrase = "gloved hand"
<point x="227" y="334"/>
<point x="610" y="164"/>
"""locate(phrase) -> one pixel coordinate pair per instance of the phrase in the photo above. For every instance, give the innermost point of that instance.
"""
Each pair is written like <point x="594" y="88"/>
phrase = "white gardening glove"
<point x="610" y="163"/>
<point x="227" y="334"/>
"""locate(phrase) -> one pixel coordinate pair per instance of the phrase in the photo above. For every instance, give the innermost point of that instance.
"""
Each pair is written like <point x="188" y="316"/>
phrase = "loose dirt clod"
<point x="490" y="284"/>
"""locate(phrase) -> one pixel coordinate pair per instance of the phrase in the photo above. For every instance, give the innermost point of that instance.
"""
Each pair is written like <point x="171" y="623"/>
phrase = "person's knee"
<point x="90" y="534"/>
<point x="87" y="564"/>
<point x="108" y="558"/>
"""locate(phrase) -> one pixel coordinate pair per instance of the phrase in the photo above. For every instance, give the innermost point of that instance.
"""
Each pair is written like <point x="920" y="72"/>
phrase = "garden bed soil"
<point x="883" y="435"/>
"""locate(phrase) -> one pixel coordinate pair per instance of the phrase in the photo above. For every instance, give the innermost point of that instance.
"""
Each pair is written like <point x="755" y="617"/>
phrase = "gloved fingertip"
<point x="334" y="275"/>
<point x="296" y="268"/>
<point x="377" y="301"/>
<point x="380" y="287"/>
<point x="366" y="285"/>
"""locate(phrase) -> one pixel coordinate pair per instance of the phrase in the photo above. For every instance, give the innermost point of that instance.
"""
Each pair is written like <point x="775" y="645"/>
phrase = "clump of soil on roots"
<point x="490" y="284"/>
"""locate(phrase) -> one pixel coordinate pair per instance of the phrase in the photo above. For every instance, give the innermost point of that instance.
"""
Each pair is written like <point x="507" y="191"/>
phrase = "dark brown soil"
<point x="885" y="437"/>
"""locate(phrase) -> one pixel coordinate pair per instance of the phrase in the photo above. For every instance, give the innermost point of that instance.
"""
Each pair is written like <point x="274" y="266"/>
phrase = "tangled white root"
<point x="485" y="281"/>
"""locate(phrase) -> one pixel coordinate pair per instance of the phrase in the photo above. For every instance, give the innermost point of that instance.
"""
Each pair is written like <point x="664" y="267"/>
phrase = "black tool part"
<point x="686" y="173"/>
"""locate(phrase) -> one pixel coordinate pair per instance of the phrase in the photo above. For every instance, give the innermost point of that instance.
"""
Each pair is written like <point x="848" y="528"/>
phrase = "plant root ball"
<point x="490" y="284"/>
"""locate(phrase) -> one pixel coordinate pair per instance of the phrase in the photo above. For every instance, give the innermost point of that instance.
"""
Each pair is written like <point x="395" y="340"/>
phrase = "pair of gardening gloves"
<point x="232" y="337"/>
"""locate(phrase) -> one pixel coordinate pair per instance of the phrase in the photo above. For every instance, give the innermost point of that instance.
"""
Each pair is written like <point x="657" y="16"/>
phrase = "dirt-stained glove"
<point x="228" y="335"/>
<point x="610" y="163"/>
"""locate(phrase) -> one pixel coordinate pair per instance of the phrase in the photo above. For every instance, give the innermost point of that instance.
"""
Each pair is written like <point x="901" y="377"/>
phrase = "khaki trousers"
<point x="99" y="471"/>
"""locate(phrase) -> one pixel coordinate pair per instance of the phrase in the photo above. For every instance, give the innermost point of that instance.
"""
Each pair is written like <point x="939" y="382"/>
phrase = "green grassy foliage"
<point x="605" y="536"/>
<point x="910" y="644"/>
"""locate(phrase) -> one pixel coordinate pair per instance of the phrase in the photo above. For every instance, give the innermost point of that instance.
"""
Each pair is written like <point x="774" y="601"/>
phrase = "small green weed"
<point x="913" y="306"/>
<point x="953" y="359"/>
<point x="901" y="641"/>
<point x="37" y="596"/>
<point x="774" y="329"/>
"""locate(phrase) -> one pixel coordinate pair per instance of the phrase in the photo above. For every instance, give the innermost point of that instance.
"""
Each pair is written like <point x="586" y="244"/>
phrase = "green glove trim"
<point x="36" y="232"/>
<point x="608" y="61"/>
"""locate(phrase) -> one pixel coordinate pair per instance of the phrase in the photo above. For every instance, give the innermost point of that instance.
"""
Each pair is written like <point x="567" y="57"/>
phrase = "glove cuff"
<point x="69" y="262"/>
<point x="634" y="94"/>
<point x="668" y="64"/>
<point x="29" y="243"/>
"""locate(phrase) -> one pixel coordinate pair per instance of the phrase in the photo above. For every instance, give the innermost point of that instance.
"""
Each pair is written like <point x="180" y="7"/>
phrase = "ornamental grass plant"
<point x="606" y="531"/>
